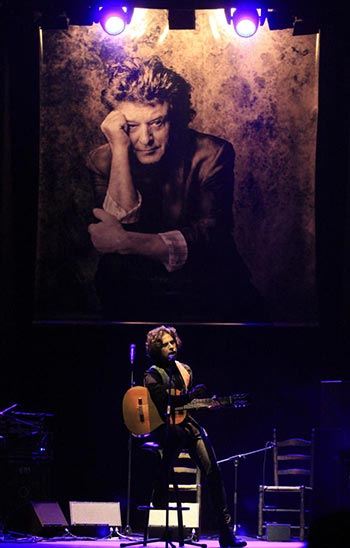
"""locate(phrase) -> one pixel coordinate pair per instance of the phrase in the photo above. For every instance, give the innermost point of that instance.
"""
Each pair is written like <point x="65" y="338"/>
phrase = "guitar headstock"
<point x="241" y="400"/>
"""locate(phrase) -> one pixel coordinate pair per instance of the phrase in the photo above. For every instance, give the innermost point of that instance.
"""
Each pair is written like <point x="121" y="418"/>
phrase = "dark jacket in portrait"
<point x="190" y="190"/>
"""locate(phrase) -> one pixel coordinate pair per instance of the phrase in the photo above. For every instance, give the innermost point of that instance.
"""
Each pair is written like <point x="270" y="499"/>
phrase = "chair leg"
<point x="260" y="510"/>
<point x="302" y="514"/>
<point x="145" y="528"/>
<point x="180" y="525"/>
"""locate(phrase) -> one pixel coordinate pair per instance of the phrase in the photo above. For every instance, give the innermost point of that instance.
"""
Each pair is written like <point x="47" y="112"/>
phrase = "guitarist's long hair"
<point x="154" y="340"/>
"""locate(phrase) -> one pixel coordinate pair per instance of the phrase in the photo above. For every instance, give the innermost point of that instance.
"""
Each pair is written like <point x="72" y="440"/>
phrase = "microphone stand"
<point x="166" y="537"/>
<point x="236" y="461"/>
<point x="169" y="412"/>
<point x="127" y="528"/>
<point x="170" y="417"/>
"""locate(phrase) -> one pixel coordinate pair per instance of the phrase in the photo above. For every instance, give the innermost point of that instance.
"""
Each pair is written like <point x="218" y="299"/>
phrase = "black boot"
<point x="228" y="539"/>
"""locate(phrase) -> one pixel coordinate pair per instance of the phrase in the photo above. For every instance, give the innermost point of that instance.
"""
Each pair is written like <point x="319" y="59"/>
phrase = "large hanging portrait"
<point x="177" y="172"/>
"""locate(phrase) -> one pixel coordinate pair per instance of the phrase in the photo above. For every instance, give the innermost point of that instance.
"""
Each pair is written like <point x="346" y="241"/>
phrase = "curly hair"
<point x="148" y="81"/>
<point x="154" y="339"/>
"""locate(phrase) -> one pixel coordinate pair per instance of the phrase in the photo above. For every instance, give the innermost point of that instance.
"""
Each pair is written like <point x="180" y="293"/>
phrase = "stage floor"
<point x="77" y="542"/>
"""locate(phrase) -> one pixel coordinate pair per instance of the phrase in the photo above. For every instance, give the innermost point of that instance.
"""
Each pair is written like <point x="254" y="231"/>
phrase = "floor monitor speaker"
<point x="277" y="532"/>
<point x="44" y="519"/>
<point x="95" y="513"/>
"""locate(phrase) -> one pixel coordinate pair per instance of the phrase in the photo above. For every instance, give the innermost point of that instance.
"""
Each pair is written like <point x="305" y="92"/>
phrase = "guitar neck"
<point x="235" y="400"/>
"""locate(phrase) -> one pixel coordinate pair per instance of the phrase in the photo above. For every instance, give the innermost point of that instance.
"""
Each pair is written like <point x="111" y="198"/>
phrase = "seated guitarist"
<point x="162" y="346"/>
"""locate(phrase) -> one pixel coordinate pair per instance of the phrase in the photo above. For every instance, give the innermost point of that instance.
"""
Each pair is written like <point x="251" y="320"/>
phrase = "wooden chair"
<point x="288" y="500"/>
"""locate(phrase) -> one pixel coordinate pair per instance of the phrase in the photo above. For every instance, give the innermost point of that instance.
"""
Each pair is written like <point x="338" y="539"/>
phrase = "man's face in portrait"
<point x="148" y="129"/>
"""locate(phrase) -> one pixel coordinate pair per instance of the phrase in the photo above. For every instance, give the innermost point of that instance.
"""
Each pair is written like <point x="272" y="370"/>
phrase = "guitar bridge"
<point x="140" y="410"/>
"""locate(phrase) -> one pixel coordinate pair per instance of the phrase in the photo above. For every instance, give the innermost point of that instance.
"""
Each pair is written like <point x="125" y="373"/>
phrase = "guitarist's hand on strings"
<point x="199" y="391"/>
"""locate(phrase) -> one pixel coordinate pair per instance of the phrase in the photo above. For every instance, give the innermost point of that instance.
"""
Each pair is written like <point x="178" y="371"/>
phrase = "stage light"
<point x="181" y="19"/>
<point x="245" y="20"/>
<point x="306" y="25"/>
<point x="113" y="17"/>
<point x="52" y="21"/>
<point x="280" y="19"/>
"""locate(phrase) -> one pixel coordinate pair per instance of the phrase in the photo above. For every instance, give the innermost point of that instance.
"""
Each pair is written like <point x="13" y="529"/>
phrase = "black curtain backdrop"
<point x="79" y="372"/>
<point x="19" y="164"/>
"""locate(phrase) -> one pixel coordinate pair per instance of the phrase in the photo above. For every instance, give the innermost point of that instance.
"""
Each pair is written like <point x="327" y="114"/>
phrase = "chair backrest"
<point x="188" y="475"/>
<point x="184" y="487"/>
<point x="293" y="460"/>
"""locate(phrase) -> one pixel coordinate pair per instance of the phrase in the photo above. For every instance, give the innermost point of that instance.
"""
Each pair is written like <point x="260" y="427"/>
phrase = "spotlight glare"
<point x="245" y="19"/>
<point x="245" y="22"/>
<point x="113" y="18"/>
<point x="245" y="28"/>
<point x="114" y="25"/>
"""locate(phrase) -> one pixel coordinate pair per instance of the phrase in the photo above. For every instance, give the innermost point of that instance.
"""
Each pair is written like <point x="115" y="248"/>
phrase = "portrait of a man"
<point x="177" y="174"/>
<point x="165" y="196"/>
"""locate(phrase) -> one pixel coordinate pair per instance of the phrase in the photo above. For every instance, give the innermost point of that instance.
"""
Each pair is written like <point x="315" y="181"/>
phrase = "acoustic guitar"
<point x="141" y="416"/>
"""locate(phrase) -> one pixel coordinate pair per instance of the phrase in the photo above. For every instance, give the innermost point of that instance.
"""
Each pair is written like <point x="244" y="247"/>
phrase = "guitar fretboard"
<point x="236" y="400"/>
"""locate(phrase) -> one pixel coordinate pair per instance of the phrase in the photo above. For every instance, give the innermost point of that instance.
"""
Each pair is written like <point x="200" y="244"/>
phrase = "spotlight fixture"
<point x="182" y="19"/>
<point x="245" y="19"/>
<point x="279" y="19"/>
<point x="113" y="17"/>
<point x="52" y="21"/>
<point x="306" y="25"/>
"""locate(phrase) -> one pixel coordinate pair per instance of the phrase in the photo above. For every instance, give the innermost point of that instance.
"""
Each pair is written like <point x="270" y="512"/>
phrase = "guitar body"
<point x="140" y="413"/>
<point x="141" y="416"/>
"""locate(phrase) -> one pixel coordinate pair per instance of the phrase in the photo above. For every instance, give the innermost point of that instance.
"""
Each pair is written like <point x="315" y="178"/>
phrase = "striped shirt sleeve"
<point x="178" y="250"/>
<point x="126" y="217"/>
<point x="173" y="239"/>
